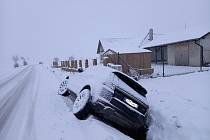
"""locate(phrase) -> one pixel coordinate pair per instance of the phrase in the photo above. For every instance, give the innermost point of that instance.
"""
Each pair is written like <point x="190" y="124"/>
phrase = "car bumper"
<point x="121" y="114"/>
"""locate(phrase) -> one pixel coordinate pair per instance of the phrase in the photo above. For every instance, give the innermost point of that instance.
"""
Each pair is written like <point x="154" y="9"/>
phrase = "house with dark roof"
<point x="127" y="53"/>
<point x="190" y="47"/>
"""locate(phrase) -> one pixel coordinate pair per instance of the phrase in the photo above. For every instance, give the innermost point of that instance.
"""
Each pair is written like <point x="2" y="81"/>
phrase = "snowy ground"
<point x="31" y="109"/>
<point x="180" y="106"/>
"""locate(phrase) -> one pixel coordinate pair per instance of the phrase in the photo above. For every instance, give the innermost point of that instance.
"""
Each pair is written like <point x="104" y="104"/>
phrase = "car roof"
<point x="99" y="70"/>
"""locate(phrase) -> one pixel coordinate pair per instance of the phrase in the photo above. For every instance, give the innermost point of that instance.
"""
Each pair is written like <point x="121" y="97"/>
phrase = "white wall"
<point x="171" y="54"/>
<point x="194" y="54"/>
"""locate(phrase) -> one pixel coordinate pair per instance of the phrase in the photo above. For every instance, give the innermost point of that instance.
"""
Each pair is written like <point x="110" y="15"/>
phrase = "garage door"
<point x="182" y="56"/>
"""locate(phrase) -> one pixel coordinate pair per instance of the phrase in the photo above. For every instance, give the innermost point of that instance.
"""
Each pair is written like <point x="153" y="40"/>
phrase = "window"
<point x="131" y="83"/>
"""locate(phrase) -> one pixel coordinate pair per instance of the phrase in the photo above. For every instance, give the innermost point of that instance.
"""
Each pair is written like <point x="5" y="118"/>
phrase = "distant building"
<point x="187" y="48"/>
<point x="127" y="53"/>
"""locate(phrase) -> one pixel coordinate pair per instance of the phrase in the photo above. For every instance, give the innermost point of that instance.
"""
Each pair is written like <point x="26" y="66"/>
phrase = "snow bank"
<point x="179" y="107"/>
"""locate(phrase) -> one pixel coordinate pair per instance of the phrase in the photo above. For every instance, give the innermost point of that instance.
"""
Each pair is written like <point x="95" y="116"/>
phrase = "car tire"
<point x="81" y="106"/>
<point x="63" y="90"/>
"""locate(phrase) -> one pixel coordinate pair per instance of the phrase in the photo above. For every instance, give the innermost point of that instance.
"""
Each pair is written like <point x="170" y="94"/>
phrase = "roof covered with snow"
<point x="176" y="37"/>
<point x="122" y="45"/>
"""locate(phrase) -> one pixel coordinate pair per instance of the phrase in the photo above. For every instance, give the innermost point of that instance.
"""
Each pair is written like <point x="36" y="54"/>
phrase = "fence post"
<point x="94" y="62"/>
<point x="66" y="65"/>
<point x="118" y="58"/>
<point x="75" y="64"/>
<point x="61" y="63"/>
<point x="69" y="64"/>
<point x="86" y="63"/>
<point x="72" y="63"/>
<point x="201" y="57"/>
<point x="162" y="56"/>
<point x="80" y="63"/>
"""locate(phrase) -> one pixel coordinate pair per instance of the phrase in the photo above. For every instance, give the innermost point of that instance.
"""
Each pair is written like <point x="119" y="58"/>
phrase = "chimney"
<point x="150" y="34"/>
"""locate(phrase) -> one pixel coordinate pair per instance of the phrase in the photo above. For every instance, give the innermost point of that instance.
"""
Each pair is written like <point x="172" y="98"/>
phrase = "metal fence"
<point x="165" y="70"/>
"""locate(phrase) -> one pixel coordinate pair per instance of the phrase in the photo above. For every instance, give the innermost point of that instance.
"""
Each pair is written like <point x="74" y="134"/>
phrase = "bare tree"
<point x="24" y="61"/>
<point x="15" y="59"/>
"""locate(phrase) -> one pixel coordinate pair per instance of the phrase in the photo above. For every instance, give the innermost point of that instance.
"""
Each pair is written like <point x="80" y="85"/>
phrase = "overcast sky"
<point x="43" y="29"/>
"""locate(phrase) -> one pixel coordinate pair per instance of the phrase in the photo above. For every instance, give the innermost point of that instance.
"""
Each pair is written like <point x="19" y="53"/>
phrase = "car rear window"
<point x="131" y="83"/>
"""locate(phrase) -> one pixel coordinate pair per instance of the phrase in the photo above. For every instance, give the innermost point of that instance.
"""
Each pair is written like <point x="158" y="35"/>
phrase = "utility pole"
<point x="162" y="57"/>
<point x="201" y="57"/>
<point x="118" y="59"/>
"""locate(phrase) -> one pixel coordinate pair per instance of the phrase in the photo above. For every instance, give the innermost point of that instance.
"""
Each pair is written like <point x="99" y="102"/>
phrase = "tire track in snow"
<point x="17" y="110"/>
<point x="8" y="103"/>
<point x="29" y="127"/>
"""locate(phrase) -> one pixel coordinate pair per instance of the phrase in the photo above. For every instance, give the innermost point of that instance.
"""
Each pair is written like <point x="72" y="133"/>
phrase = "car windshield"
<point x="131" y="83"/>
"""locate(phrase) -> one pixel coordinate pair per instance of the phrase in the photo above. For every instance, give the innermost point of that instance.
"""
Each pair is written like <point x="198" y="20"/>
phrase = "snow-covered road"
<point x="30" y="109"/>
<point x="17" y="104"/>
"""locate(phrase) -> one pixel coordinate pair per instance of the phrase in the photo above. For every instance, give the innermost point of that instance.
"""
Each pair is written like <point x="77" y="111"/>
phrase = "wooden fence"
<point x="75" y="64"/>
<point x="139" y="63"/>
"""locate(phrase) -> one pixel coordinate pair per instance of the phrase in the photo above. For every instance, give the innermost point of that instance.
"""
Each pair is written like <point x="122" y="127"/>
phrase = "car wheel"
<point x="63" y="90"/>
<point x="81" y="107"/>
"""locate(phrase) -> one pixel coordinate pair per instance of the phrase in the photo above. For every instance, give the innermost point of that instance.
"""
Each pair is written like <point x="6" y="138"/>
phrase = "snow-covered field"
<point x="31" y="109"/>
<point x="180" y="106"/>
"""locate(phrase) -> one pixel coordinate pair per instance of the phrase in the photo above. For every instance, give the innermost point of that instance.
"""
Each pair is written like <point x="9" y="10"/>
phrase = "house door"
<point x="182" y="55"/>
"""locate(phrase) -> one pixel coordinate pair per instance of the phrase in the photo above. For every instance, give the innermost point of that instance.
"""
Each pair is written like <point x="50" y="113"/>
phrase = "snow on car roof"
<point x="123" y="45"/>
<point x="99" y="73"/>
<point x="99" y="70"/>
<point x="178" y="36"/>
